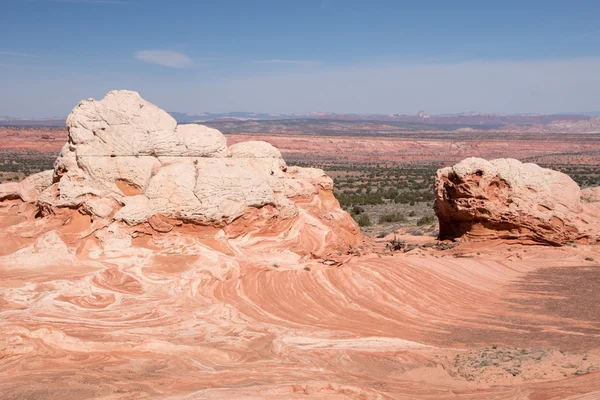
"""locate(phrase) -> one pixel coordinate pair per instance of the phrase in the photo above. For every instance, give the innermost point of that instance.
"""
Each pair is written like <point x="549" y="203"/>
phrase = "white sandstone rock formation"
<point x="128" y="161"/>
<point x="505" y="198"/>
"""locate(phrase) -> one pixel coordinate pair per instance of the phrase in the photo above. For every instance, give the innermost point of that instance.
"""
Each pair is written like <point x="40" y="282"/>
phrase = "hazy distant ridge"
<point x="469" y="118"/>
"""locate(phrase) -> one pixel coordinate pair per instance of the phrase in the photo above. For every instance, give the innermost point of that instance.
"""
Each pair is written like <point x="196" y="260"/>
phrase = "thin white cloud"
<point x="289" y="62"/>
<point x="15" y="54"/>
<point x="167" y="58"/>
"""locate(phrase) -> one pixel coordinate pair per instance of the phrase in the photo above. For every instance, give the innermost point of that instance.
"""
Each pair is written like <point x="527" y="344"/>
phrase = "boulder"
<point x="504" y="198"/>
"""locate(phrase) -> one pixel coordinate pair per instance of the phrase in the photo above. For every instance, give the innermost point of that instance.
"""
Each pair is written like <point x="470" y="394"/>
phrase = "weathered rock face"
<point x="28" y="189"/>
<point x="128" y="161"/>
<point x="504" y="198"/>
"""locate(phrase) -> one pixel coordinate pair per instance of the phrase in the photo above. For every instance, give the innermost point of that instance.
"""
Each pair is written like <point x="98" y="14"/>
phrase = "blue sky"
<point x="303" y="55"/>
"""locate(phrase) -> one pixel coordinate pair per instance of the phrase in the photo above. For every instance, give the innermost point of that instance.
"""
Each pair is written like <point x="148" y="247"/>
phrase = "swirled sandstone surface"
<point x="107" y="314"/>
<point x="137" y="272"/>
<point x="478" y="199"/>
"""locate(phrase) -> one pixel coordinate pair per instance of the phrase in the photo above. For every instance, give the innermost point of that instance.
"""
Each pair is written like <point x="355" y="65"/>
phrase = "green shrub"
<point x="363" y="220"/>
<point x="357" y="210"/>
<point x="391" y="194"/>
<point x="395" y="217"/>
<point x="427" y="220"/>
<point x="350" y="199"/>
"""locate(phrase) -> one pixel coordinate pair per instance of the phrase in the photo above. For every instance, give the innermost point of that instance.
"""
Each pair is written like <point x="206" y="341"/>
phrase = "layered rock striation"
<point x="504" y="198"/>
<point x="127" y="161"/>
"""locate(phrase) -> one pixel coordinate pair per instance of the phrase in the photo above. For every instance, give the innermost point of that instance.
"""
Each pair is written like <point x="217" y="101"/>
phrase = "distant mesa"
<point x="478" y="199"/>
<point x="472" y="118"/>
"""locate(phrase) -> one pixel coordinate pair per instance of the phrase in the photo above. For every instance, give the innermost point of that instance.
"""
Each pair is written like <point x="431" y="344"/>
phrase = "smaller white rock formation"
<point x="504" y="198"/>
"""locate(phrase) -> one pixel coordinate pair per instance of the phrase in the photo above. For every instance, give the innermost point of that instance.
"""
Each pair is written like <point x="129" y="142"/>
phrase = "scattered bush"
<point x="389" y="218"/>
<point x="427" y="220"/>
<point x="357" y="210"/>
<point x="349" y="199"/>
<point x="395" y="245"/>
<point x="363" y="220"/>
<point x="391" y="194"/>
<point x="412" y="197"/>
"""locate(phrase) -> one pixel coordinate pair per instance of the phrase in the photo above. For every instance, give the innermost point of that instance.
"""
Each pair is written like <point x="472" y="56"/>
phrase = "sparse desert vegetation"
<point x="383" y="197"/>
<point x="16" y="165"/>
<point x="496" y="365"/>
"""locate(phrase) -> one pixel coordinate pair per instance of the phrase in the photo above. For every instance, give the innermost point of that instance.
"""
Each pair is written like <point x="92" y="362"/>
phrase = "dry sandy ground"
<point x="444" y="149"/>
<point x="177" y="317"/>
